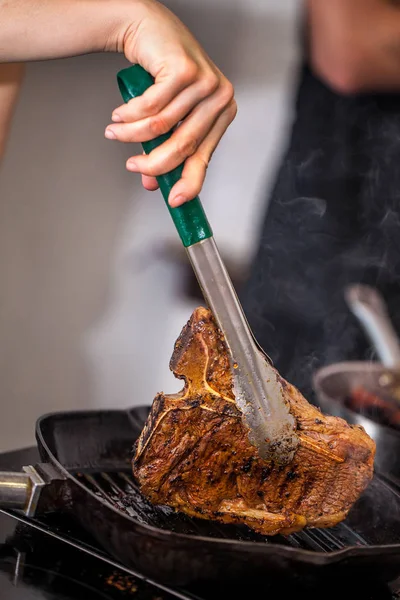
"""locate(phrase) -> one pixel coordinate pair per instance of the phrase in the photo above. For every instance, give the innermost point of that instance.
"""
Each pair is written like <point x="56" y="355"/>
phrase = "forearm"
<point x="188" y="89"/>
<point x="10" y="81"/>
<point x="44" y="29"/>
<point x="355" y="44"/>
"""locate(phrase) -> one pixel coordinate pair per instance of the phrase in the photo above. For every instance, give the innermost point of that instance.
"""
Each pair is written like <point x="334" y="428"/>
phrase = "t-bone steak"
<point x="194" y="452"/>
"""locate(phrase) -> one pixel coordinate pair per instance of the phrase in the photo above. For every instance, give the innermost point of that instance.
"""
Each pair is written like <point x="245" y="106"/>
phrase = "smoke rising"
<point x="333" y="219"/>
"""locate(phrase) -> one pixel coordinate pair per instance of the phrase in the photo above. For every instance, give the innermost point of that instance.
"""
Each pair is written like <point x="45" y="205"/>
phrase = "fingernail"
<point x="110" y="135"/>
<point x="131" y="165"/>
<point x="177" y="200"/>
<point x="116" y="118"/>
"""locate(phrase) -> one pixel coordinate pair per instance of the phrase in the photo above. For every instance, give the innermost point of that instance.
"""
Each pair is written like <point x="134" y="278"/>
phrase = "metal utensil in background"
<point x="367" y="304"/>
<point x="258" y="391"/>
<point x="335" y="383"/>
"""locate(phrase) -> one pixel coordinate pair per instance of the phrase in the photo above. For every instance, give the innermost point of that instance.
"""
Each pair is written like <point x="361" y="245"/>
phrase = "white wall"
<point x="88" y="312"/>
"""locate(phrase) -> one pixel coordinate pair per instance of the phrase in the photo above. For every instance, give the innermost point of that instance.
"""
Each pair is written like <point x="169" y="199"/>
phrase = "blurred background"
<point x="94" y="285"/>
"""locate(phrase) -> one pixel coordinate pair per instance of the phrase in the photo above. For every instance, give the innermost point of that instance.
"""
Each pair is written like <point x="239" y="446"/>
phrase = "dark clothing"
<point x="333" y="219"/>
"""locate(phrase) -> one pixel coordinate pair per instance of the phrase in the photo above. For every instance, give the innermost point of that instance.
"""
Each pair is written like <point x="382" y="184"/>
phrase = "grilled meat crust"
<point x="194" y="453"/>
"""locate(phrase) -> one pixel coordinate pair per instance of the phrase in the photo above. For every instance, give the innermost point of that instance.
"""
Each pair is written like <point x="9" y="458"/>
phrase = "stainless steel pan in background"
<point x="336" y="383"/>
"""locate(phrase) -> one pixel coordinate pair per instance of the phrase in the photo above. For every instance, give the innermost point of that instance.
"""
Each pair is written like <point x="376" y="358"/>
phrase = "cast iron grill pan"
<point x="93" y="449"/>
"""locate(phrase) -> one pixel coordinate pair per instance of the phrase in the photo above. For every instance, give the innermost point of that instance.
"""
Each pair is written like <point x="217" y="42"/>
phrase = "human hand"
<point x="189" y="90"/>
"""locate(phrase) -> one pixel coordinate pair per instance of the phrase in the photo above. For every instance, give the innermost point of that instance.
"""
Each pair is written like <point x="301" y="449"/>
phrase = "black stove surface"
<point x="54" y="559"/>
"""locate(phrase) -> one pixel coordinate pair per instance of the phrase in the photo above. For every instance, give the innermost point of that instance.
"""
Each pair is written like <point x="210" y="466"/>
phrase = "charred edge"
<point x="147" y="431"/>
<point x="198" y="510"/>
<point x="180" y="347"/>
<point x="208" y="322"/>
<point x="283" y="382"/>
<point x="134" y="449"/>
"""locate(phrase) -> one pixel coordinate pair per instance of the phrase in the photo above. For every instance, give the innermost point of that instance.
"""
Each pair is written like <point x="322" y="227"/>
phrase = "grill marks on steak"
<point x="194" y="453"/>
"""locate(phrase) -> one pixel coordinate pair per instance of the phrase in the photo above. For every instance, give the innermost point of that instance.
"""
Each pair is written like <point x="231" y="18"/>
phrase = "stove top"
<point x="35" y="567"/>
<point x="52" y="558"/>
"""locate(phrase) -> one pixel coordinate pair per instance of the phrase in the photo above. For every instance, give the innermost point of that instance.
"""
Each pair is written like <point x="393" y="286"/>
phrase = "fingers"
<point x="149" y="183"/>
<point x="197" y="108"/>
<point x="185" y="140"/>
<point x="194" y="171"/>
<point x="165" y="88"/>
<point x="150" y="127"/>
<point x="196" y="164"/>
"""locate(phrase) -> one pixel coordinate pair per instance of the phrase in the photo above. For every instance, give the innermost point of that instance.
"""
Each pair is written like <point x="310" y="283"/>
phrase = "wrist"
<point x="122" y="23"/>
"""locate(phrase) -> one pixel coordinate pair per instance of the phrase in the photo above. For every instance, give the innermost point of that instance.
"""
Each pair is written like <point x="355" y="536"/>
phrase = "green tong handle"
<point x="190" y="219"/>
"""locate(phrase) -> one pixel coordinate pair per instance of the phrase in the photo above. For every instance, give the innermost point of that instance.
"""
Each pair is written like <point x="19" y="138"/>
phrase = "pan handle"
<point x="369" y="307"/>
<point x="21" y="491"/>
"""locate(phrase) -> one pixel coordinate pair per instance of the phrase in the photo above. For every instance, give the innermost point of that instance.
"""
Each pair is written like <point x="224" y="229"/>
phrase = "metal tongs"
<point x="258" y="390"/>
